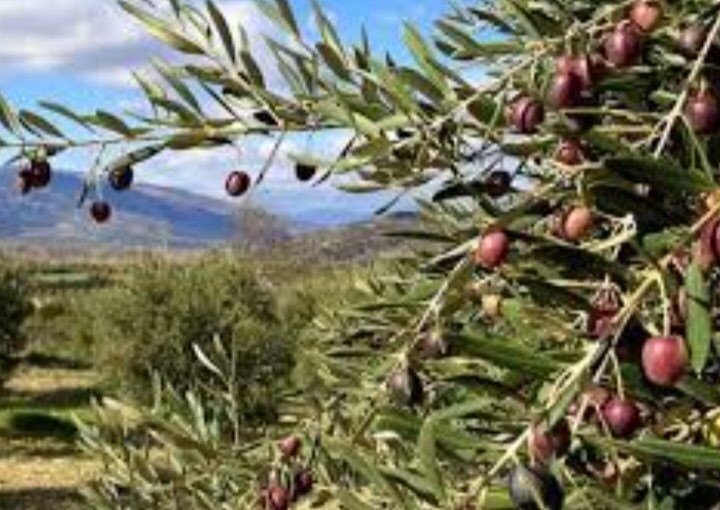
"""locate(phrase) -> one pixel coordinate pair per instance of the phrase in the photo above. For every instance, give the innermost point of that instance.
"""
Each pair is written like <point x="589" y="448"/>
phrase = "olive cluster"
<point x="295" y="481"/>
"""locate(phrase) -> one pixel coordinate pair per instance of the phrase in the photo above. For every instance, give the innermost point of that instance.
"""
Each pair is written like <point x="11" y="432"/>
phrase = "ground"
<point x="39" y="462"/>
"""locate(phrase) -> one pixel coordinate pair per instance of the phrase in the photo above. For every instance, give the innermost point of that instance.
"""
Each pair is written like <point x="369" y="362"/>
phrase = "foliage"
<point x="533" y="315"/>
<point x="15" y="308"/>
<point x="154" y="319"/>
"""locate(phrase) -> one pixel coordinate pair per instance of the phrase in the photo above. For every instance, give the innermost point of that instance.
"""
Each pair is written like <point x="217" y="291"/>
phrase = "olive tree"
<point x="552" y="342"/>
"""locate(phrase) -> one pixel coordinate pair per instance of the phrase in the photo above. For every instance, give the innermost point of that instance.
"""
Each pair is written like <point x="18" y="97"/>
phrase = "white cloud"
<point x="89" y="38"/>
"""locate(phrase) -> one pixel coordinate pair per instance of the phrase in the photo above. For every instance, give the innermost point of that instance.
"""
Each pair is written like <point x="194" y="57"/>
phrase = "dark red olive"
<point x="546" y="444"/>
<point x="570" y="152"/>
<point x="703" y="113"/>
<point x="565" y="91"/>
<point x="493" y="249"/>
<point x="278" y="498"/>
<point x="121" y="179"/>
<point x="405" y="387"/>
<point x="100" y="211"/>
<point x="588" y="68"/>
<point x="498" y="183"/>
<point x="692" y="39"/>
<point x="303" y="483"/>
<point x="623" y="45"/>
<point x="646" y="14"/>
<point x="290" y="446"/>
<point x="24" y="181"/>
<point x="622" y="417"/>
<point x="305" y="172"/>
<point x="526" y="115"/>
<point x="237" y="183"/>
<point x="664" y="360"/>
<point x="40" y="173"/>
<point x="709" y="246"/>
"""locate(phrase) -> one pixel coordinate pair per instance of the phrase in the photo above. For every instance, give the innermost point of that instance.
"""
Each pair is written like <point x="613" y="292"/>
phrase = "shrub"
<point x="151" y="321"/>
<point x="15" y="307"/>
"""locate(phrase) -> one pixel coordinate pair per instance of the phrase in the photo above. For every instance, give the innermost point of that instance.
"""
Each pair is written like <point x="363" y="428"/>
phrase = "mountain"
<point x="146" y="215"/>
<point x="156" y="216"/>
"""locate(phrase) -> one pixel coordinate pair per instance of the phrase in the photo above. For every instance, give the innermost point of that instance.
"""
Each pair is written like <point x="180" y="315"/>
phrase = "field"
<point x="64" y="363"/>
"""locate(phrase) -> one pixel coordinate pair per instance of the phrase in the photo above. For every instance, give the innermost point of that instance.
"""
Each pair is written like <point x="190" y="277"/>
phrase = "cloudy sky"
<point x="81" y="52"/>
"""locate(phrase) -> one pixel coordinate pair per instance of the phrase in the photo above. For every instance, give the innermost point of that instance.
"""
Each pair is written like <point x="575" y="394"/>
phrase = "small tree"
<point x="15" y="307"/>
<point x="568" y="352"/>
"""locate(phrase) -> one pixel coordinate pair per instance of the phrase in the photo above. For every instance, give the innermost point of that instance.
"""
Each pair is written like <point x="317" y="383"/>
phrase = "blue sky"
<point x="80" y="53"/>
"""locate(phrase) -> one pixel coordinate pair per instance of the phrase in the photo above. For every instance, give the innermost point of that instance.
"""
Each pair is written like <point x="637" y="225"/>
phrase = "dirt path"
<point x="40" y="467"/>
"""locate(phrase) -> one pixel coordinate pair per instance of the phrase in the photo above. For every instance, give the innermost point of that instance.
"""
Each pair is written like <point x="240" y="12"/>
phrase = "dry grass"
<point x="43" y="473"/>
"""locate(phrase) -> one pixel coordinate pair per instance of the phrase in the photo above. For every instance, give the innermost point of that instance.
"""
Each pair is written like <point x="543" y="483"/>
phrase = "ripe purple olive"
<point x="622" y="417"/>
<point x="545" y="444"/>
<point x="703" y="113"/>
<point x="570" y="152"/>
<point x="646" y="14"/>
<point x="526" y="115"/>
<point x="623" y="45"/>
<point x="498" y="183"/>
<point x="24" y="181"/>
<point x="40" y="173"/>
<point x="493" y="249"/>
<point x="709" y="246"/>
<point x="290" y="446"/>
<point x="121" y="179"/>
<point x="576" y="224"/>
<point x="237" y="183"/>
<point x="565" y="91"/>
<point x="588" y="68"/>
<point x="305" y="172"/>
<point x="664" y="360"/>
<point x="535" y="488"/>
<point x="100" y="211"/>
<point x="405" y="387"/>
<point x="277" y="498"/>
<point x="692" y="39"/>
<point x="303" y="483"/>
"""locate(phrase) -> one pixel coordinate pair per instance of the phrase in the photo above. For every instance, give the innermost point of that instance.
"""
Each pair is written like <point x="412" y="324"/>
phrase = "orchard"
<point x="552" y="344"/>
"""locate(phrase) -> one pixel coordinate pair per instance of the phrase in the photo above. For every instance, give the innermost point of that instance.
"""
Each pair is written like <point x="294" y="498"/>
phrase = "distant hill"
<point x="151" y="216"/>
<point x="147" y="215"/>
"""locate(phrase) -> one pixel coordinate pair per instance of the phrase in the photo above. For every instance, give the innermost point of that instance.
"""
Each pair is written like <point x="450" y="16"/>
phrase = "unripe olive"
<point x="646" y="14"/>
<point x="493" y="249"/>
<point x="703" y="113"/>
<point x="664" y="360"/>
<point x="535" y="489"/>
<point x="622" y="417"/>
<point x="623" y="45"/>
<point x="405" y="387"/>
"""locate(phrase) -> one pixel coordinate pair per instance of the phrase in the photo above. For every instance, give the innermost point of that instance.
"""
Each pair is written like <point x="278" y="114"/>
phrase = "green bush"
<point x="150" y="322"/>
<point x="15" y="307"/>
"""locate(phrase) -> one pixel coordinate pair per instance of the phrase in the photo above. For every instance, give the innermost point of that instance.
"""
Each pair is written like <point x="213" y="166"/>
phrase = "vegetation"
<point x="565" y="356"/>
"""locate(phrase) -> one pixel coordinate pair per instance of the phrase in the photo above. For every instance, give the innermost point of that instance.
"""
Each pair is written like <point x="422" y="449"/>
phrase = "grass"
<point x="39" y="462"/>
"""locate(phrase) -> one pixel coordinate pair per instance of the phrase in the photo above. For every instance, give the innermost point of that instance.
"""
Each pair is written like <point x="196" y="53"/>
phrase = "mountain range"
<point x="156" y="216"/>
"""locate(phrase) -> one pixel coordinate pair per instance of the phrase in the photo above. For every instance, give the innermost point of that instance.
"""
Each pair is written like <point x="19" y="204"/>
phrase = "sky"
<point x="81" y="53"/>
